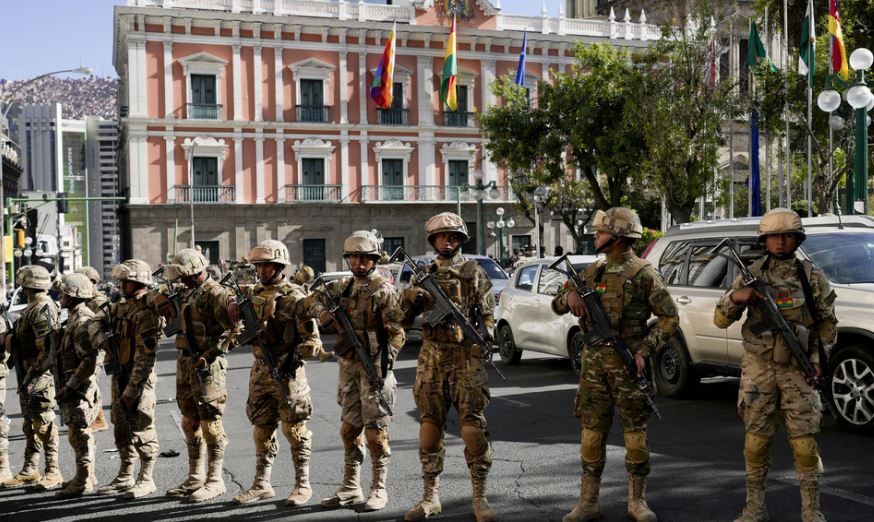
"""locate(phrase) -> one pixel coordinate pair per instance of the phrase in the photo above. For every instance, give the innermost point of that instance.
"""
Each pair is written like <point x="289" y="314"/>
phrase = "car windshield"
<point x="846" y="258"/>
<point x="492" y="269"/>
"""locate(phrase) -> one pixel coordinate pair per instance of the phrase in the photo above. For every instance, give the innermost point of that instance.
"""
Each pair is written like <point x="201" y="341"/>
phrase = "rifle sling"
<point x="808" y="298"/>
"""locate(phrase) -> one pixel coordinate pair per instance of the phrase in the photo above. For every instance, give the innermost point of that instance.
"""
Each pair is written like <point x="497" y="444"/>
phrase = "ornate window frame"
<point x="204" y="147"/>
<point x="203" y="63"/>
<point x="392" y="149"/>
<point x="311" y="69"/>
<point x="458" y="150"/>
<point x="313" y="148"/>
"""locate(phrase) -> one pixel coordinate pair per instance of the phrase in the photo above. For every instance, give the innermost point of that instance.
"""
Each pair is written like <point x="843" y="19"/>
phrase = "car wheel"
<point x="674" y="378"/>
<point x="852" y="388"/>
<point x="510" y="354"/>
<point x="575" y="351"/>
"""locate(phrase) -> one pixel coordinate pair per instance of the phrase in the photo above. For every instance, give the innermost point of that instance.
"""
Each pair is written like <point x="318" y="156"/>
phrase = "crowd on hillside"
<point x="79" y="97"/>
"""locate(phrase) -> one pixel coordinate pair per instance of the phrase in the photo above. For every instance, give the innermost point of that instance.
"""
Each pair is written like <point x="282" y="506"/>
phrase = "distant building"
<point x="582" y="8"/>
<point x="101" y="157"/>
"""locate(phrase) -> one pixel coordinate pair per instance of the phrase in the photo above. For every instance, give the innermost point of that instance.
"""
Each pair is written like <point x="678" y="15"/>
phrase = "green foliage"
<point x="648" y="236"/>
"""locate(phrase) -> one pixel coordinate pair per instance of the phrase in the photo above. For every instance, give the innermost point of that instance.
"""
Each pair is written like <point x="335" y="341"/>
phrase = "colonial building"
<point x="244" y="120"/>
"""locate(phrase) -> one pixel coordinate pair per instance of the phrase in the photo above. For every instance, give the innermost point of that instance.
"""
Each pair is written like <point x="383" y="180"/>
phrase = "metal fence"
<point x="312" y="192"/>
<point x="200" y="111"/>
<point x="204" y="193"/>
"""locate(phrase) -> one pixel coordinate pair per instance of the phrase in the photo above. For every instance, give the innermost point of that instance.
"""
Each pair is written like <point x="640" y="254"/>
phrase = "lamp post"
<point x="859" y="97"/>
<point x="540" y="195"/>
<point x="478" y="191"/>
<point x="501" y="224"/>
<point x="6" y="106"/>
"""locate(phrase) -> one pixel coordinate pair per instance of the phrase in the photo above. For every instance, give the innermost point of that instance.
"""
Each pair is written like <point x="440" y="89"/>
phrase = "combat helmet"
<point x="781" y="221"/>
<point x="269" y="251"/>
<point x="304" y="274"/>
<point x="77" y="285"/>
<point x="187" y="262"/>
<point x="133" y="270"/>
<point x="91" y="273"/>
<point x="34" y="277"/>
<point x="361" y="242"/>
<point x="446" y="222"/>
<point x="619" y="221"/>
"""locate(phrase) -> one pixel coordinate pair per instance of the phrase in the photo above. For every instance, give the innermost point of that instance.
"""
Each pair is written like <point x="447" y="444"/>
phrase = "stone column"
<point x="238" y="81"/>
<point x="168" y="79"/>
<point x="257" y="75"/>
<point x="259" y="168"/>
<point x="238" y="165"/>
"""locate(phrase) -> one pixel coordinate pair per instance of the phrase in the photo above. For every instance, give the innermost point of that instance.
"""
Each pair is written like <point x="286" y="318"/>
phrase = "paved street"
<point x="697" y="463"/>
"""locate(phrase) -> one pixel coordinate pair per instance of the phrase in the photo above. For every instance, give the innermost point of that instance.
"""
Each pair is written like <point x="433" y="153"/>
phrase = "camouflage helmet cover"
<point x="91" y="273"/>
<point x="781" y="221"/>
<point x="304" y="274"/>
<point x="33" y="276"/>
<point x="446" y="222"/>
<point x="269" y="251"/>
<point x="187" y="262"/>
<point x="619" y="221"/>
<point x="133" y="270"/>
<point x="361" y="242"/>
<point x="77" y="285"/>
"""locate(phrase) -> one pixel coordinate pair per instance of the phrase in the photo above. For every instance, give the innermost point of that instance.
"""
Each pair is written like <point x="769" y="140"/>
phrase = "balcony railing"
<point x="312" y="113"/>
<point x="295" y="193"/>
<point x="393" y="116"/>
<point x="458" y="119"/>
<point x="204" y="193"/>
<point x="425" y="193"/>
<point x="204" y="111"/>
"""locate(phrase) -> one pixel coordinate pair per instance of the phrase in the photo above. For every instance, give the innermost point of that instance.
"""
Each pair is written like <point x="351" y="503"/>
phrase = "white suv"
<point x="842" y="247"/>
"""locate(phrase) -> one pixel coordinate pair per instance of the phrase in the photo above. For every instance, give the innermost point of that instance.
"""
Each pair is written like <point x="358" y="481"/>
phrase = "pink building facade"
<point x="244" y="120"/>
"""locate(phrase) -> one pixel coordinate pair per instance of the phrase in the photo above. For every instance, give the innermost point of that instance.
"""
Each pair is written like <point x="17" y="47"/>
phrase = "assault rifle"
<point x="54" y="356"/>
<point x="776" y="322"/>
<point x="348" y="332"/>
<point x="601" y="330"/>
<point x="193" y="354"/>
<point x="250" y="335"/>
<point x="444" y="308"/>
<point x="172" y="327"/>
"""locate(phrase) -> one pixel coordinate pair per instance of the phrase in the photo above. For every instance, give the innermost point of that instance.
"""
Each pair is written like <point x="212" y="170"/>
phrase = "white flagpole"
<point x="767" y="140"/>
<point x="785" y="53"/>
<point x="810" y="116"/>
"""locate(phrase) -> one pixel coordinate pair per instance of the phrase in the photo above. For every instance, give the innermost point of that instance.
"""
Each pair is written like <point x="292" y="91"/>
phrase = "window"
<point x="314" y="254"/>
<point x="396" y="114"/>
<point x="204" y="74"/>
<point x="390" y="244"/>
<point x="460" y="116"/>
<point x="672" y="261"/>
<point x="846" y="258"/>
<point x="203" y="98"/>
<point x="520" y="241"/>
<point x="458" y="172"/>
<point x="312" y="108"/>
<point x="742" y="74"/>
<point x="706" y="269"/>
<point x="550" y="282"/>
<point x="525" y="278"/>
<point x="210" y="250"/>
<point x="313" y="176"/>
<point x="392" y="180"/>
<point x="206" y="187"/>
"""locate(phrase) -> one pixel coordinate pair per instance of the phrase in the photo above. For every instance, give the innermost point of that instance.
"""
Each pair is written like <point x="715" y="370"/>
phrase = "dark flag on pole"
<point x="754" y="181"/>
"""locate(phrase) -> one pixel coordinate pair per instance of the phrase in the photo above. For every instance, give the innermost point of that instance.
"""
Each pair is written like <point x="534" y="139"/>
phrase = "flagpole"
<point x="767" y="140"/>
<point x="785" y="53"/>
<point x="731" y="135"/>
<point x="810" y="76"/>
<point x="753" y="156"/>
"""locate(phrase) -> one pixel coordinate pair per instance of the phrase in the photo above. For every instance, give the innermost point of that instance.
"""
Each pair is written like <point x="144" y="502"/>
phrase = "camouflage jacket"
<point x="373" y="307"/>
<point x="631" y="291"/>
<point x="4" y="348"/>
<point x="468" y="286"/>
<point x="78" y="354"/>
<point x="205" y="314"/>
<point x="282" y="320"/>
<point x="97" y="301"/>
<point x="32" y="331"/>
<point x="781" y="279"/>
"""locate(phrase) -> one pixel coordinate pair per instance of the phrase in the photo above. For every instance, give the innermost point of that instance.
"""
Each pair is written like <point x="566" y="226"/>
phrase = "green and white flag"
<point x="807" y="48"/>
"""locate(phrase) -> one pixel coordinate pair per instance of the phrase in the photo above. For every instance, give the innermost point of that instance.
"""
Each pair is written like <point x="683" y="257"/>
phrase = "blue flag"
<point x="754" y="182"/>
<point x="520" y="70"/>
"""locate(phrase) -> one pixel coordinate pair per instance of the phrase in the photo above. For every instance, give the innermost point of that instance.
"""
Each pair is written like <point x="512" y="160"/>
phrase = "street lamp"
<point x="501" y="225"/>
<point x="859" y="97"/>
<point x="478" y="191"/>
<point x="540" y="195"/>
<point x="3" y="126"/>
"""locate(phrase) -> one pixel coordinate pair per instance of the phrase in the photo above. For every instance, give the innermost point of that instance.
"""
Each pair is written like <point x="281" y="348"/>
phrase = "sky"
<point x="40" y="36"/>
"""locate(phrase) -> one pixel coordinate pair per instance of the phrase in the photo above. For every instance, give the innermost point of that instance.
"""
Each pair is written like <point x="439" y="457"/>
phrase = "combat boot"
<point x="124" y="480"/>
<point x="80" y="484"/>
<point x="261" y="487"/>
<point x="810" y="511"/>
<point x="350" y="490"/>
<point x="145" y="485"/>
<point x="193" y="482"/>
<point x="430" y="503"/>
<point x="378" y="493"/>
<point x="52" y="477"/>
<point x="302" y="491"/>
<point x="587" y="508"/>
<point x="755" y="510"/>
<point x="481" y="508"/>
<point x="29" y="474"/>
<point x="637" y="507"/>
<point x="5" y="473"/>
<point x="99" y="423"/>
<point x="214" y="485"/>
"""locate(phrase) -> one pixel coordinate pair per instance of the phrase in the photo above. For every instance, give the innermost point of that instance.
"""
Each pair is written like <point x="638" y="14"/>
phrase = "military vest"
<point x="198" y="317"/>
<point x="362" y="311"/>
<point x="124" y="314"/>
<point x="265" y="300"/>
<point x="32" y="326"/>
<point x="628" y="311"/>
<point x="458" y="282"/>
<point x="72" y="352"/>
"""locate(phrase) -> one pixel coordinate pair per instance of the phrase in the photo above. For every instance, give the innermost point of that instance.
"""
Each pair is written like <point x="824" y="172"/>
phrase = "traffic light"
<point x="63" y="204"/>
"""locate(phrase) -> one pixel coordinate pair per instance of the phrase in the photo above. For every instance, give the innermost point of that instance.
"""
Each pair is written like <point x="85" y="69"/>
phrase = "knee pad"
<point x="213" y="432"/>
<point x="474" y="438"/>
<point x="377" y="441"/>
<point x="296" y="434"/>
<point x="351" y="435"/>
<point x="757" y="449"/>
<point x="190" y="428"/>
<point x="806" y="454"/>
<point x="636" y="449"/>
<point x="265" y="439"/>
<point x="430" y="436"/>
<point x="592" y="447"/>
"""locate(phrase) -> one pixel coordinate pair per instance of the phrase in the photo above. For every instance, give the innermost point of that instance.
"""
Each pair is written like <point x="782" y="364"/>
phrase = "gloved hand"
<point x="419" y="297"/>
<point x="129" y="399"/>
<point x="309" y="349"/>
<point x="327" y="322"/>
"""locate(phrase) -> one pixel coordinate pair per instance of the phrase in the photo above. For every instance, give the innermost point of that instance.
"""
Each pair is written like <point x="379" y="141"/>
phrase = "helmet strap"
<point x="606" y="245"/>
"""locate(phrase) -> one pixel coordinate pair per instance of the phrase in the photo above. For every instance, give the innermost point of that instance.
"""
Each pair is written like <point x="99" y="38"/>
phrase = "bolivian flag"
<point x="839" y="53"/>
<point x="448" y="91"/>
<point x="383" y="78"/>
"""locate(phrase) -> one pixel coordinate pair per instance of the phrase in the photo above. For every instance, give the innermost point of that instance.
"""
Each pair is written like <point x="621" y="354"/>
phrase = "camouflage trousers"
<point x="135" y="431"/>
<point x="191" y="400"/>
<point x="78" y="412"/>
<point x="766" y="386"/>
<point x="358" y="400"/>
<point x="4" y="420"/>
<point x="605" y="384"/>
<point x="38" y="423"/>
<point x="450" y="374"/>
<point x="98" y="401"/>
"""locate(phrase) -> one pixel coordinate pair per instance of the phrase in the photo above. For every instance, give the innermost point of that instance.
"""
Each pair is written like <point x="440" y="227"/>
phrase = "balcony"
<point x="312" y="113"/>
<point x="423" y="193"/>
<point x="458" y="119"/>
<point x="393" y="116"/>
<point x="297" y="193"/>
<point x="205" y="193"/>
<point x="204" y="111"/>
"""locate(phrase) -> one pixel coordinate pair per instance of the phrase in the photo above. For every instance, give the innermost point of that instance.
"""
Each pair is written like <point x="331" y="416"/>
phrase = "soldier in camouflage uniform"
<point x="5" y="474"/>
<point x="138" y="330"/>
<point x="372" y="304"/>
<point x="205" y="320"/>
<point x="30" y="347"/>
<point x="94" y="304"/>
<point x="770" y="376"/>
<point x="451" y="370"/>
<point x="279" y="308"/>
<point x="631" y="290"/>
<point x="78" y="397"/>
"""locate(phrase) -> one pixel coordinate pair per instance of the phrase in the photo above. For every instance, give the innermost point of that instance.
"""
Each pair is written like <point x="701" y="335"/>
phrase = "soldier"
<point x="372" y="305"/>
<point x="631" y="290"/>
<point x="5" y="474"/>
<point x="30" y="347"/>
<point x="94" y="305"/>
<point x="265" y="406"/>
<point x="451" y="370"/>
<point x="201" y="386"/>
<point x="78" y="396"/>
<point x="138" y="330"/>
<point x="770" y="376"/>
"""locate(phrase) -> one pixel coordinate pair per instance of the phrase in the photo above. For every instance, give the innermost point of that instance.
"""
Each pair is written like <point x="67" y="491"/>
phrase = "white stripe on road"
<point x="835" y="492"/>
